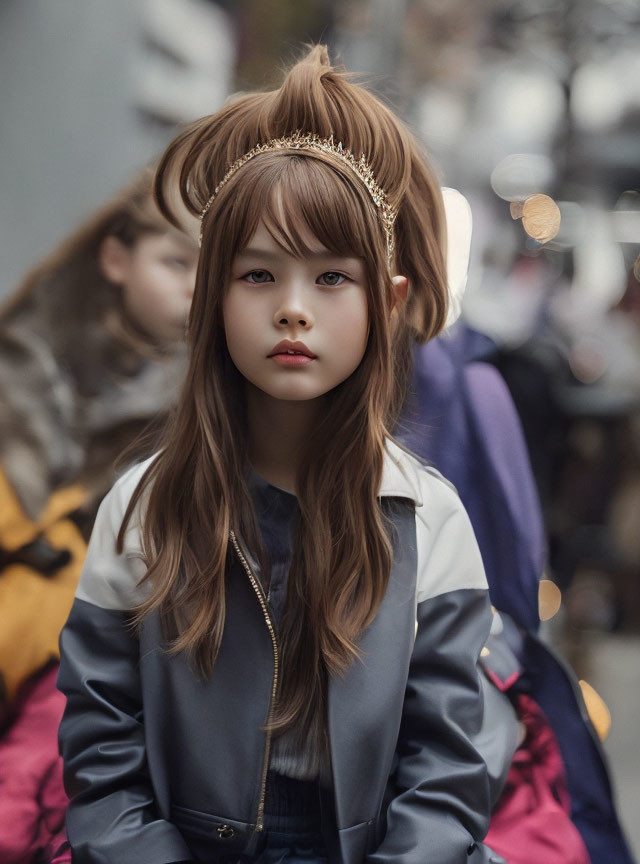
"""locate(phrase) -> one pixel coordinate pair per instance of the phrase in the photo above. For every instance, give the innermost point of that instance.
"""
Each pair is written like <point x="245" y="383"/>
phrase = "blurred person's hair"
<point x="72" y="274"/>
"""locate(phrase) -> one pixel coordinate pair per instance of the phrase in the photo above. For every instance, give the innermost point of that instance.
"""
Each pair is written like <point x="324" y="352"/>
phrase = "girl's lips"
<point x="292" y="359"/>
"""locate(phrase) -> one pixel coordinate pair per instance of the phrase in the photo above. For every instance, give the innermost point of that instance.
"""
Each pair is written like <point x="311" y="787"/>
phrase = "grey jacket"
<point x="162" y="766"/>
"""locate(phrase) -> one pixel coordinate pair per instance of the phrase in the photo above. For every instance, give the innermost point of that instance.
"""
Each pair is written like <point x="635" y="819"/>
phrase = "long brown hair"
<point x="196" y="490"/>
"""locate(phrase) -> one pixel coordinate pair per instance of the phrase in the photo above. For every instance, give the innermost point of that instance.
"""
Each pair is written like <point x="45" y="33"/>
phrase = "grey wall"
<point x="74" y="76"/>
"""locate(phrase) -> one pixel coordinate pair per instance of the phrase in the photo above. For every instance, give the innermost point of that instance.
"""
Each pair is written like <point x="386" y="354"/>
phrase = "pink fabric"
<point x="62" y="855"/>
<point x="532" y="823"/>
<point x="32" y="798"/>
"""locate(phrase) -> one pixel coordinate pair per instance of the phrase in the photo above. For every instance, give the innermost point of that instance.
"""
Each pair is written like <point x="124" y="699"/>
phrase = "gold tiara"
<point x="308" y="141"/>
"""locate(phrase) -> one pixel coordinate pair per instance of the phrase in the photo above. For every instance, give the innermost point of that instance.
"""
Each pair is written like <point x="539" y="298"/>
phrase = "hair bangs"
<point x="299" y="196"/>
<point x="315" y="195"/>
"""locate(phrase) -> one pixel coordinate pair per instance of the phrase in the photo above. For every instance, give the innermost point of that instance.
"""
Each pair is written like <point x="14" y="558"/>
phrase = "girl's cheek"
<point x="353" y="320"/>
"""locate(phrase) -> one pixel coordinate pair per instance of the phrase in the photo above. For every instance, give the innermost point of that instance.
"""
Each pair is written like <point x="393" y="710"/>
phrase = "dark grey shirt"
<point x="277" y="513"/>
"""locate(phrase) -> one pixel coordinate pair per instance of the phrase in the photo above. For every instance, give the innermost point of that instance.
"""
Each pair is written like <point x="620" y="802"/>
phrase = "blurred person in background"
<point x="91" y="351"/>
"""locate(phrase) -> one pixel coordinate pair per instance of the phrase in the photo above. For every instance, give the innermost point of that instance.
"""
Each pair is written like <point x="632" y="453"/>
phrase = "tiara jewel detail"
<point x="313" y="142"/>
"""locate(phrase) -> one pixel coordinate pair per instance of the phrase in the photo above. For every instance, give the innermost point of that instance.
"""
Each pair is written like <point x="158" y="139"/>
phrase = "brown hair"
<point x="197" y="486"/>
<point x="72" y="271"/>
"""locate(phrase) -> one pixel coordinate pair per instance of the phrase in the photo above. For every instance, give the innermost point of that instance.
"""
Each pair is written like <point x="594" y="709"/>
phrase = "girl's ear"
<point x="400" y="290"/>
<point x="114" y="259"/>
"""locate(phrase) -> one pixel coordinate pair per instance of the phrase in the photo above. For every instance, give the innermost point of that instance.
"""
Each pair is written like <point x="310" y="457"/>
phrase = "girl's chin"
<point x="288" y="394"/>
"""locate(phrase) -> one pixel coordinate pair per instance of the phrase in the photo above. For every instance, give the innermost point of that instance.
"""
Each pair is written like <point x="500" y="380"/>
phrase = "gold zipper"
<point x="257" y="587"/>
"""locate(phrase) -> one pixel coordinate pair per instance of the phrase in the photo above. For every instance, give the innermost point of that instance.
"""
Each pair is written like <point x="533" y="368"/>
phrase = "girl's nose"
<point x="292" y="312"/>
<point x="297" y="320"/>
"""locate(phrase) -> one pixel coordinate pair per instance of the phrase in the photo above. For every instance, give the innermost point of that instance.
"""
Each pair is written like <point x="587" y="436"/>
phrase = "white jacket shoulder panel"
<point x="448" y="557"/>
<point x="448" y="554"/>
<point x="110" y="580"/>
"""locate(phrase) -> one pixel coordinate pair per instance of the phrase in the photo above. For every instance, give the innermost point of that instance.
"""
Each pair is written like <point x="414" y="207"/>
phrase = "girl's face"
<point x="157" y="277"/>
<point x="295" y="327"/>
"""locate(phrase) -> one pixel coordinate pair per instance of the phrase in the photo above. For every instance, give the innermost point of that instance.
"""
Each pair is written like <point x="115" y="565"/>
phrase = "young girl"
<point x="272" y="651"/>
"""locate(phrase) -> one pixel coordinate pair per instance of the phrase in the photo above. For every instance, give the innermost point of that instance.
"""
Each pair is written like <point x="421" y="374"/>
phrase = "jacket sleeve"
<point x="112" y="818"/>
<point x="440" y="807"/>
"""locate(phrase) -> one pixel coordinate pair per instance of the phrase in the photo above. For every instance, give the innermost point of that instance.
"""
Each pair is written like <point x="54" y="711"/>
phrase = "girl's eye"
<point x="258" y="277"/>
<point x="331" y="278"/>
<point x="180" y="263"/>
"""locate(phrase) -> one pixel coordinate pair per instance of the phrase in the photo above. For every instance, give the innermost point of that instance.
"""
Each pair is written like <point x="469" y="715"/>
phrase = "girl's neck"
<point x="278" y="431"/>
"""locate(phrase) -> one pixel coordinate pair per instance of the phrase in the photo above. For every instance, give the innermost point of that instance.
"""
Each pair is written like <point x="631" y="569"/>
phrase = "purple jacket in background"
<point x="461" y="420"/>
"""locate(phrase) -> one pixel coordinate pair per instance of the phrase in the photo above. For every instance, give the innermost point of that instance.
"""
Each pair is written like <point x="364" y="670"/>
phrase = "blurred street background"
<point x="512" y="99"/>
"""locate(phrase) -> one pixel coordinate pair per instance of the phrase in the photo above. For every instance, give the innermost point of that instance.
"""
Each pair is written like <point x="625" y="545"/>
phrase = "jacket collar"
<point x="399" y="475"/>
